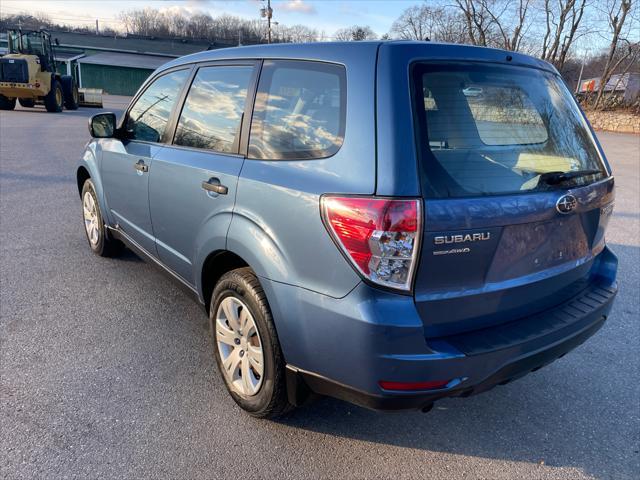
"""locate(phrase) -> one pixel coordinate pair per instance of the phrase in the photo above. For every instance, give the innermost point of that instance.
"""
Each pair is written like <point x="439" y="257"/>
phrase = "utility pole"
<point x="268" y="13"/>
<point x="97" y="28"/>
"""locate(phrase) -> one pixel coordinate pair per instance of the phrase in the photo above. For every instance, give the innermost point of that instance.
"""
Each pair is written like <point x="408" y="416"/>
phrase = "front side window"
<point x="149" y="116"/>
<point x="299" y="111"/>
<point x="212" y="112"/>
<point x="490" y="129"/>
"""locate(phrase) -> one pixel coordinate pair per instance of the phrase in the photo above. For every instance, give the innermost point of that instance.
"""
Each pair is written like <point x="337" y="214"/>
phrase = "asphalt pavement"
<point x="106" y="368"/>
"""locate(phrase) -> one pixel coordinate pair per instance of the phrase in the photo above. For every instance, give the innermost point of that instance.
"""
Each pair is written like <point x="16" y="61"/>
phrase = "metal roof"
<point x="131" y="43"/>
<point x="64" y="56"/>
<point x="132" y="60"/>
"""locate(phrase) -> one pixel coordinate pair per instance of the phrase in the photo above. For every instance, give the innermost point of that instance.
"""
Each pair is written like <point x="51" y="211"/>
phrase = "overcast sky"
<point x="327" y="15"/>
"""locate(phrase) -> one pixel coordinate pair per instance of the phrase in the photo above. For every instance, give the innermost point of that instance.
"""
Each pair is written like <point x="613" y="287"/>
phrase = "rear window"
<point x="299" y="111"/>
<point x="487" y="130"/>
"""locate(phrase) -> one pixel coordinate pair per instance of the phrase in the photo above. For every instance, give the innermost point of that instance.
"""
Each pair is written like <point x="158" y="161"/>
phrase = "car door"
<point x="193" y="182"/>
<point x="126" y="161"/>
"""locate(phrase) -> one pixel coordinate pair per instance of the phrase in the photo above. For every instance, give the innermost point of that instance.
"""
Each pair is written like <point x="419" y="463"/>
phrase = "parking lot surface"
<point x="106" y="368"/>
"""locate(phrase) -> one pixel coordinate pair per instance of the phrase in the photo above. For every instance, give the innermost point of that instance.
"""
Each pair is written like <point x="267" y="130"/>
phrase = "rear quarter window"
<point x="299" y="111"/>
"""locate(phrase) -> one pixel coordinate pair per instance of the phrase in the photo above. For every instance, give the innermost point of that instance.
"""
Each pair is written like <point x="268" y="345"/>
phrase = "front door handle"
<point x="213" y="185"/>
<point x="141" y="166"/>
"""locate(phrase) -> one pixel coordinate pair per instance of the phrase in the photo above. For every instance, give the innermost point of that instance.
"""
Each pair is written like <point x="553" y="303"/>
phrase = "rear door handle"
<point x="141" y="166"/>
<point x="213" y="185"/>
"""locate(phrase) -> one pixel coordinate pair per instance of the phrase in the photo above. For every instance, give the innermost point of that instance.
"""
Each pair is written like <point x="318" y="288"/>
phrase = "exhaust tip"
<point x="427" y="408"/>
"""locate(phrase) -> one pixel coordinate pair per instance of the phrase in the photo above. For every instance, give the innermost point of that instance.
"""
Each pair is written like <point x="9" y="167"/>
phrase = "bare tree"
<point x="478" y="20"/>
<point x="415" y="23"/>
<point x="426" y="22"/>
<point x="298" y="34"/>
<point x="198" y="25"/>
<point x="511" y="29"/>
<point x="562" y="22"/>
<point x="496" y="23"/>
<point x="355" y="33"/>
<point x="617" y="12"/>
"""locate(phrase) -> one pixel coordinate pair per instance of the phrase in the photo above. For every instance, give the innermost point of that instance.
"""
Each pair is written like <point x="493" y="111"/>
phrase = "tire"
<point x="54" y="100"/>
<point x="240" y="288"/>
<point x="70" y="92"/>
<point x="7" y="103"/>
<point x="99" y="241"/>
<point x="27" y="102"/>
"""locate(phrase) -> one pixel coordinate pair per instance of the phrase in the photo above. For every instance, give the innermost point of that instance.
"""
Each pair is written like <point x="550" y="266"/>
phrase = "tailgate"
<point x="491" y="260"/>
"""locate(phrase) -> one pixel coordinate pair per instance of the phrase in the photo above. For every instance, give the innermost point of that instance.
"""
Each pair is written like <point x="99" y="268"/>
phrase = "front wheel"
<point x="54" y="99"/>
<point x="101" y="244"/>
<point x="246" y="345"/>
<point x="70" y="92"/>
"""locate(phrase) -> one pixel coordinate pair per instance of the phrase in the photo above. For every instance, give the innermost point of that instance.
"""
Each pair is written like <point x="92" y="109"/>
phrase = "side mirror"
<point x="103" y="125"/>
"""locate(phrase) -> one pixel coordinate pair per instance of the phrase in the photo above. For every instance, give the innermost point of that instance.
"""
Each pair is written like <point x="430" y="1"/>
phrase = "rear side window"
<point x="299" y="111"/>
<point x="149" y="116"/>
<point x="491" y="129"/>
<point x="212" y="112"/>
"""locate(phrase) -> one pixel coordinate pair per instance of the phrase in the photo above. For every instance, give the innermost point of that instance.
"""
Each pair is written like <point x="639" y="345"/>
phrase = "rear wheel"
<point x="246" y="345"/>
<point x="70" y="91"/>
<point x="54" y="99"/>
<point x="27" y="102"/>
<point x="100" y="243"/>
<point x="7" y="103"/>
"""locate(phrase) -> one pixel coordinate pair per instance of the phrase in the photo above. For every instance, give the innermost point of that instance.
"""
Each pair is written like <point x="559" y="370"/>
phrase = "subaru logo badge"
<point x="566" y="203"/>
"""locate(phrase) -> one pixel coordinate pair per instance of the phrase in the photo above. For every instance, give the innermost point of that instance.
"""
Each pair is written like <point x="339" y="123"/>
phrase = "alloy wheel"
<point x="90" y="212"/>
<point x="239" y="346"/>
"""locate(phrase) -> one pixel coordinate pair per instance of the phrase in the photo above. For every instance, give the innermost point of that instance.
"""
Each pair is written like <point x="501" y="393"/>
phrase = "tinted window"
<point x="491" y="129"/>
<point x="149" y="116"/>
<point x="299" y="111"/>
<point x="212" y="112"/>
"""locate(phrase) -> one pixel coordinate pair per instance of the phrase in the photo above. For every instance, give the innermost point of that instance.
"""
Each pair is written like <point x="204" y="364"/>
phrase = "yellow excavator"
<point x="28" y="74"/>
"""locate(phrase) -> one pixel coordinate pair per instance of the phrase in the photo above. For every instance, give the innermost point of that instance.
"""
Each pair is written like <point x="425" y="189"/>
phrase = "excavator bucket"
<point x="90" y="97"/>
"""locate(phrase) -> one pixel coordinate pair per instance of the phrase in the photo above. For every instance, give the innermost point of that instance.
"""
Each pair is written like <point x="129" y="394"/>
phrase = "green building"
<point x="116" y="64"/>
<point x="117" y="73"/>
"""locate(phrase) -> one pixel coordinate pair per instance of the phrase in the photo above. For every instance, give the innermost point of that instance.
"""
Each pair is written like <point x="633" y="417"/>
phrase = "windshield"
<point x="29" y="43"/>
<point x="489" y="129"/>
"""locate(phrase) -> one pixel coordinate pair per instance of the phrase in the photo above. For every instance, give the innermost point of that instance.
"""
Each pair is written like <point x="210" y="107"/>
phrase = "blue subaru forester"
<point x="388" y="223"/>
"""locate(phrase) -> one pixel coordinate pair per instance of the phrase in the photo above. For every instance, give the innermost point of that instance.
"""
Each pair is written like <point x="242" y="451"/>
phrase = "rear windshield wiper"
<point x="555" y="178"/>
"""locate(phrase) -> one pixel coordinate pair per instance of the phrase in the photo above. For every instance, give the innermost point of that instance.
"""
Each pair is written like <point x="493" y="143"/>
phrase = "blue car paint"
<point x="126" y="190"/>
<point x="329" y="322"/>
<point x="179" y="205"/>
<point x="371" y="335"/>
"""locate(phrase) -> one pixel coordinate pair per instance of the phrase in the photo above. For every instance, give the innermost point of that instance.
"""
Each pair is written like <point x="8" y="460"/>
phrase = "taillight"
<point x="380" y="236"/>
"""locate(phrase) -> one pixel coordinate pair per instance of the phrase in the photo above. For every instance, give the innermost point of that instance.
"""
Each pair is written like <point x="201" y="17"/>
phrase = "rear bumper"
<point x="344" y="347"/>
<point x="299" y="380"/>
